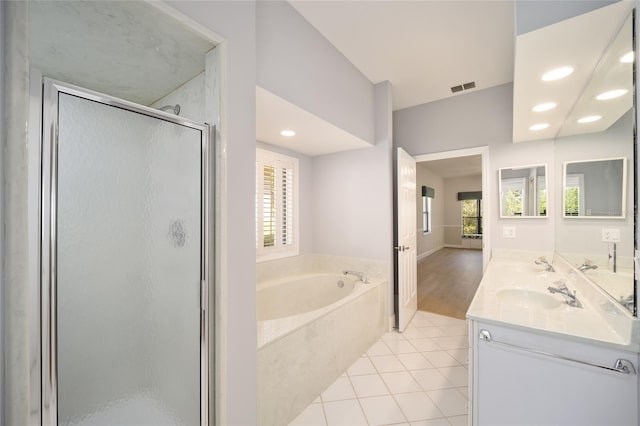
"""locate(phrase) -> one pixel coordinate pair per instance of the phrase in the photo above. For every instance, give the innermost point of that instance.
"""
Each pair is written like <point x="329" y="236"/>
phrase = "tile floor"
<point x="418" y="377"/>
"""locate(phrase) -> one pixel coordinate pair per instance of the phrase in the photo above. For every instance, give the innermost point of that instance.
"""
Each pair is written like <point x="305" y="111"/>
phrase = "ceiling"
<point x="314" y="136"/>
<point x="130" y="50"/>
<point x="455" y="167"/>
<point x="422" y="47"/>
<point x="578" y="42"/>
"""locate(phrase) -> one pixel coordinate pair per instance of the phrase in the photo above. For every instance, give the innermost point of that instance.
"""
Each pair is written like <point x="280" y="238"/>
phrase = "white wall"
<point x="434" y="240"/>
<point x="533" y="14"/>
<point x="453" y="207"/>
<point x="15" y="279"/>
<point x="481" y="118"/>
<point x="352" y="195"/>
<point x="305" y="195"/>
<point x="299" y="65"/>
<point x="235" y="22"/>
<point x="191" y="98"/>
<point x="2" y="138"/>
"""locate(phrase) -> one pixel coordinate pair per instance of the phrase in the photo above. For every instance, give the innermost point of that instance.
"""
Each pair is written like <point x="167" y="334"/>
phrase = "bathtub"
<point x="311" y="328"/>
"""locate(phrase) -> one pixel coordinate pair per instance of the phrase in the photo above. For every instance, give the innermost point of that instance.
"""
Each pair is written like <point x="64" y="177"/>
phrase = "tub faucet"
<point x="568" y="295"/>
<point x="543" y="261"/>
<point x="360" y="275"/>
<point x="588" y="264"/>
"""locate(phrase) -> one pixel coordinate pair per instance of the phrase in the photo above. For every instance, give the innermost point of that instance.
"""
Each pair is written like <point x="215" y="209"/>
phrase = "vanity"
<point x="535" y="360"/>
<point x="554" y="336"/>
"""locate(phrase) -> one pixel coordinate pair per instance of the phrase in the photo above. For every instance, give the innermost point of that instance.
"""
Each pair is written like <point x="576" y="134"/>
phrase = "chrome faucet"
<point x="628" y="302"/>
<point x="568" y="295"/>
<point x="613" y="258"/>
<point x="360" y="275"/>
<point x="588" y="264"/>
<point x="543" y="261"/>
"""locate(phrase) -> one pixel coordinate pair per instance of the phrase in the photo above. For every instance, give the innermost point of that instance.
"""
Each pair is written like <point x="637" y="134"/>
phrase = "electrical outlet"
<point x="508" y="232"/>
<point x="610" y="235"/>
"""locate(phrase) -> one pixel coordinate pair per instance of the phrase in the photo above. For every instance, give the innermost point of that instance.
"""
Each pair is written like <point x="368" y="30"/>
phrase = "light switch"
<point x="610" y="235"/>
<point x="508" y="232"/>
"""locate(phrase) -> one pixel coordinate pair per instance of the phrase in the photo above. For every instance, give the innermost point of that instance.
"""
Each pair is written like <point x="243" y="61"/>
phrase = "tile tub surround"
<point x="300" y="355"/>
<point x="395" y="382"/>
<point x="602" y="321"/>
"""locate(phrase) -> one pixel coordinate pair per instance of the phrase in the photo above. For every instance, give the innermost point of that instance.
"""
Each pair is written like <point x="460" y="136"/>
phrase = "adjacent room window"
<point x="471" y="212"/>
<point x="574" y="195"/>
<point x="427" y="195"/>
<point x="276" y="205"/>
<point x="514" y="196"/>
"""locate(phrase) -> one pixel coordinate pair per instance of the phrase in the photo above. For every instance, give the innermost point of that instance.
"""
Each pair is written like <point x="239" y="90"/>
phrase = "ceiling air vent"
<point x="465" y="86"/>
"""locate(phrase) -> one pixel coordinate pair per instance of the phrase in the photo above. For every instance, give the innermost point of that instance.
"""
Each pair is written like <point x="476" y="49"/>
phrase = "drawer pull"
<point x="623" y="366"/>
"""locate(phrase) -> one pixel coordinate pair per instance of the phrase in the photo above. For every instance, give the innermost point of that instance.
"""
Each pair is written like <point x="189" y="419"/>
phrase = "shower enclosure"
<point x="124" y="262"/>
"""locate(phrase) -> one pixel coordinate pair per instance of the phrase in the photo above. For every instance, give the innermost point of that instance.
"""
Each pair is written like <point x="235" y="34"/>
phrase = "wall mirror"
<point x="595" y="189"/>
<point x="585" y="126"/>
<point x="596" y="229"/>
<point x="523" y="191"/>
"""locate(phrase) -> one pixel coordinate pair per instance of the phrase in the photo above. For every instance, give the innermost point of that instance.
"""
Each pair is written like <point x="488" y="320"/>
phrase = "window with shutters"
<point x="276" y="205"/>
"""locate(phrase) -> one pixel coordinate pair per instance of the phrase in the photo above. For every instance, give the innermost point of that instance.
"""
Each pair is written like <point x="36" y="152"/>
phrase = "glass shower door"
<point x="126" y="222"/>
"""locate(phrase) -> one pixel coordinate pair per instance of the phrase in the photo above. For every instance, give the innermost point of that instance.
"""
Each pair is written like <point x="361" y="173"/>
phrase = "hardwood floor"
<point x="447" y="281"/>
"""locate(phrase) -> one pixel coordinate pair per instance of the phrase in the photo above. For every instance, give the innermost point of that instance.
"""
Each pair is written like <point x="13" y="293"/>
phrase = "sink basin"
<point x="528" y="298"/>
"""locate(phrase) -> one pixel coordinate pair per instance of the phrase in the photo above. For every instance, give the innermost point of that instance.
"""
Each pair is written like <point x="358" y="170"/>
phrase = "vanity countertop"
<point x="513" y="292"/>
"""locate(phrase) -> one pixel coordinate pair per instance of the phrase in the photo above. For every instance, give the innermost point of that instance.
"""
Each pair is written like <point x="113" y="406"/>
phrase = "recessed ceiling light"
<point x="539" y="126"/>
<point x="627" y="58"/>
<point x="544" y="107"/>
<point x="589" y="119"/>
<point x="557" y="74"/>
<point x="611" y="94"/>
<point x="288" y="133"/>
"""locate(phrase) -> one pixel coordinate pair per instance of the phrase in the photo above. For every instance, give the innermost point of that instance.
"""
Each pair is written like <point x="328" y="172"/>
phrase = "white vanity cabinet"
<point x="519" y="377"/>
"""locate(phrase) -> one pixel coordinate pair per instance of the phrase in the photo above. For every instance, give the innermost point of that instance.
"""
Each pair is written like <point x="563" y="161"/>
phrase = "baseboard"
<point x="454" y="246"/>
<point x="428" y="253"/>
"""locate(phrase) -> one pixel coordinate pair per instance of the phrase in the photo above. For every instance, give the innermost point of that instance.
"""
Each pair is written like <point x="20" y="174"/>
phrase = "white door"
<point x="407" y="297"/>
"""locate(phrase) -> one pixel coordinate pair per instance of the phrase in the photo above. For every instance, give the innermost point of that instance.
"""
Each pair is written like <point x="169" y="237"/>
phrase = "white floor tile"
<point x="449" y="401"/>
<point x="417" y="406"/>
<point x="421" y="320"/>
<point x="379" y="348"/>
<point x="313" y="415"/>
<point x="413" y="333"/>
<point x="431" y="331"/>
<point x="455" y="342"/>
<point x="414" y="361"/>
<point x="464" y="391"/>
<point x="369" y="385"/>
<point x="339" y="390"/>
<point x="382" y="410"/>
<point x="440" y="359"/>
<point x="400" y="382"/>
<point x="344" y="413"/>
<point x="458" y="376"/>
<point x="401" y="347"/>
<point x="426" y="344"/>
<point x="459" y="420"/>
<point x="431" y="379"/>
<point x="455" y="330"/>
<point x="385" y="364"/>
<point x="393" y="335"/>
<point x="434" y="422"/>
<point x="442" y="321"/>
<point x="361" y="366"/>
<point x="461" y="355"/>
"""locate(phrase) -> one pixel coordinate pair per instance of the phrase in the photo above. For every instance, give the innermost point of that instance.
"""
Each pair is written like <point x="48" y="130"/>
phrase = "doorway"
<point x="452" y="227"/>
<point x="125" y="210"/>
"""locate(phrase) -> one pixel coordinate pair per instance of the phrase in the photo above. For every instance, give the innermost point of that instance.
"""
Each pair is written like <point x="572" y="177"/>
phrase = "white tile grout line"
<point x="378" y="373"/>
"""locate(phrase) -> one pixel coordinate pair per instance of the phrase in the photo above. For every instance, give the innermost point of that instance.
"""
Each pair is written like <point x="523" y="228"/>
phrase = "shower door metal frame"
<point x="48" y="237"/>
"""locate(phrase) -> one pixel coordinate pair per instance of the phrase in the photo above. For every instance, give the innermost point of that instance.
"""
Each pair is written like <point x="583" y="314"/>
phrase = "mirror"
<point x="596" y="229"/>
<point x="523" y="191"/>
<point x="595" y="188"/>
